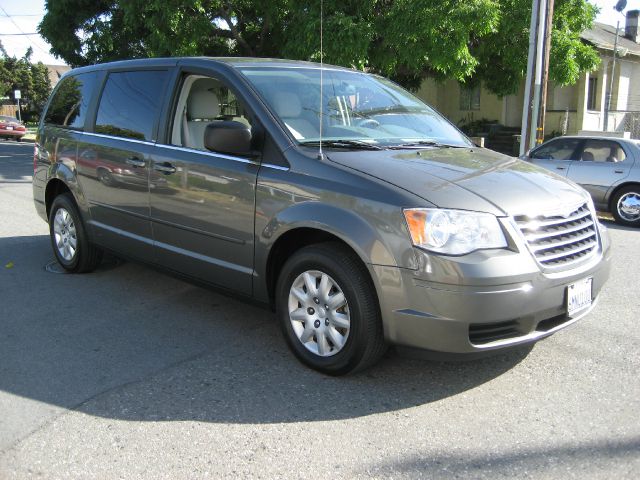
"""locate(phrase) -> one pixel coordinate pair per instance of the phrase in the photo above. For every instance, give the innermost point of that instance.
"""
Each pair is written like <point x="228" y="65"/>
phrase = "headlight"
<point x="453" y="232"/>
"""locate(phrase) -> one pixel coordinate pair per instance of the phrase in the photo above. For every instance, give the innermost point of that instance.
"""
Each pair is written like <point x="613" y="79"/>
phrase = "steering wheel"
<point x="368" y="123"/>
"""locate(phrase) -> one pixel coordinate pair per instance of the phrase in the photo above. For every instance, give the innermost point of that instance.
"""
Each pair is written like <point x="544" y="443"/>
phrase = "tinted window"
<point x="602" y="151"/>
<point x="557" y="149"/>
<point x="130" y="104"/>
<point x="70" y="102"/>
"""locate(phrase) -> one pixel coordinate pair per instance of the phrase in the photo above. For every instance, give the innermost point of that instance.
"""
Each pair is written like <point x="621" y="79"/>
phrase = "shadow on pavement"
<point x="131" y="343"/>
<point x="616" y="226"/>
<point x="536" y="462"/>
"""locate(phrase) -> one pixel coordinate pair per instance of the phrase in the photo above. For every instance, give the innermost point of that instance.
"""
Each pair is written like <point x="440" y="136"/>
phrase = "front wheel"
<point x="328" y="310"/>
<point x="69" y="240"/>
<point x="625" y="206"/>
<point x="105" y="177"/>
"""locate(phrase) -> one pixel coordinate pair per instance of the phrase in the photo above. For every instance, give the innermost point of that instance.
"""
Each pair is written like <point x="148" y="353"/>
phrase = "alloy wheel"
<point x="319" y="313"/>
<point x="629" y="206"/>
<point x="64" y="230"/>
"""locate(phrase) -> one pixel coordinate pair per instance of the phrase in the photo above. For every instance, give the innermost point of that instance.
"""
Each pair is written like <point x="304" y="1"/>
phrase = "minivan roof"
<point x="233" y="62"/>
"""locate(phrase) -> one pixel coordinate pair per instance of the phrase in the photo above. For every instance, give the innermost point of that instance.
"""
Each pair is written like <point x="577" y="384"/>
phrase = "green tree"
<point x="468" y="40"/>
<point x="31" y="79"/>
<point x="5" y="75"/>
<point x="502" y="54"/>
<point x="41" y="89"/>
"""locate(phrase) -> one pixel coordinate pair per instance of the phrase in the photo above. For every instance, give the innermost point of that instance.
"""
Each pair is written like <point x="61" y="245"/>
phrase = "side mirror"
<point x="230" y="137"/>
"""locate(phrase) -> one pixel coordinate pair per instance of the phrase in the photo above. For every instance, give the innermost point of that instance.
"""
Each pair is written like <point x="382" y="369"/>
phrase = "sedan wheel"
<point x="105" y="177"/>
<point x="626" y="206"/>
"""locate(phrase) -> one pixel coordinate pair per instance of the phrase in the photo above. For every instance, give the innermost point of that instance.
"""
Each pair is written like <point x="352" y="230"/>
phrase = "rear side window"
<point x="602" y="151"/>
<point x="70" y="102"/>
<point x="130" y="104"/>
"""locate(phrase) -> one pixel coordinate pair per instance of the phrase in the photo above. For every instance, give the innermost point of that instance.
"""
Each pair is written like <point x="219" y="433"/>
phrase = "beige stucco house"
<point x="56" y="71"/>
<point x="569" y="109"/>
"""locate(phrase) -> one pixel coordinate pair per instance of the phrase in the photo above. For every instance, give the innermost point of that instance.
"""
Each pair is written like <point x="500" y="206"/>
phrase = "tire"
<point x="345" y="337"/>
<point x="18" y="139"/>
<point x="69" y="239"/>
<point x="625" y="206"/>
<point x="105" y="177"/>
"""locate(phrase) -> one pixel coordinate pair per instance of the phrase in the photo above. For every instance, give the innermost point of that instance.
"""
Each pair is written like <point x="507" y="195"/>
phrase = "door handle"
<point x="165" y="168"/>
<point x="618" y="171"/>
<point x="561" y="168"/>
<point x="135" y="162"/>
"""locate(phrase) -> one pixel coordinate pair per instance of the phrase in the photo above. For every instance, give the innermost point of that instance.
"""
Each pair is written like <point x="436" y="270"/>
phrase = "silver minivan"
<point x="355" y="211"/>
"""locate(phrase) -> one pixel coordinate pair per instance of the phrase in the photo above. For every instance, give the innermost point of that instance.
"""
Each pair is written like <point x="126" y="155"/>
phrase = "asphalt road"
<point x="129" y="373"/>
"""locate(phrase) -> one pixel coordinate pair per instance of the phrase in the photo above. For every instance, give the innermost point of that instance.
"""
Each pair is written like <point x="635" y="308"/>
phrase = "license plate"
<point x="579" y="296"/>
<point x="9" y="128"/>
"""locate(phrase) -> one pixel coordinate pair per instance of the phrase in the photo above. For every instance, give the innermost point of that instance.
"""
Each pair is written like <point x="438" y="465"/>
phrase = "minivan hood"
<point x="467" y="178"/>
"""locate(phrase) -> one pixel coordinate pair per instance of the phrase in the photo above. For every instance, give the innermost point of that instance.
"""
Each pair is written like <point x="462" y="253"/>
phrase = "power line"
<point x="16" y="34"/>
<point x="23" y="32"/>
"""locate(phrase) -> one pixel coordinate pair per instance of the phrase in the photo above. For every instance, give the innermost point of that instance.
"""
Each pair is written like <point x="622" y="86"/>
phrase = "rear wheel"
<point x="69" y="240"/>
<point x="625" y="206"/>
<point x="328" y="310"/>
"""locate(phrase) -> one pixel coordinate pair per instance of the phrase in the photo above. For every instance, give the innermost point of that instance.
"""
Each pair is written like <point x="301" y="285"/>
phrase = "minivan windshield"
<point x="357" y="108"/>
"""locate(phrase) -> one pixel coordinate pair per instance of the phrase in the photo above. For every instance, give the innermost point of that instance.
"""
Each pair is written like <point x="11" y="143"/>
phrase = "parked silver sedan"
<point x="608" y="168"/>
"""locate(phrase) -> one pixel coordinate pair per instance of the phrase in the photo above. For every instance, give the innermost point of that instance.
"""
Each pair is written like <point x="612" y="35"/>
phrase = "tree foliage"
<point x="502" y="54"/>
<point x="468" y="40"/>
<point x="32" y="79"/>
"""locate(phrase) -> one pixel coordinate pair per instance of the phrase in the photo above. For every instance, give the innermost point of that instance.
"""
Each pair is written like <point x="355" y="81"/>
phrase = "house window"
<point x="470" y="97"/>
<point x="591" y="94"/>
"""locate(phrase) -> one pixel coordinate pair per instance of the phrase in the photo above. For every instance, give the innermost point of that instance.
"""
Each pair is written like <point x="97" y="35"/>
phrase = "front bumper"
<point x="482" y="301"/>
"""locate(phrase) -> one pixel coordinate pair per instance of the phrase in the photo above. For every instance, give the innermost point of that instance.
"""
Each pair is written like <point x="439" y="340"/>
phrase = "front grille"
<point x="557" y="240"/>
<point x="480" y="334"/>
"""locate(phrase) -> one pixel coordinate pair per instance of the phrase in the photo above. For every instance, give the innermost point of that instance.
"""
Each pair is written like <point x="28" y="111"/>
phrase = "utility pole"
<point x="620" y="6"/>
<point x="545" y="73"/>
<point x="613" y="73"/>
<point x="537" y="86"/>
<point x="534" y="78"/>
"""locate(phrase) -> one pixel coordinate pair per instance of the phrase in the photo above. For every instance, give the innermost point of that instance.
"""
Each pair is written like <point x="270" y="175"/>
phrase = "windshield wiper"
<point x="353" y="144"/>
<point x="425" y="143"/>
<point x="390" y="109"/>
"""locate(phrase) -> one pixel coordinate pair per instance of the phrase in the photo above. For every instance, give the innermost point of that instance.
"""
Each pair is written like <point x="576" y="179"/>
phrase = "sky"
<point x="23" y="16"/>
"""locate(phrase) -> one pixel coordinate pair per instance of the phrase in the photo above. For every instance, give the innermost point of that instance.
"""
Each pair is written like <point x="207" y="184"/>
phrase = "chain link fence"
<point x="631" y="123"/>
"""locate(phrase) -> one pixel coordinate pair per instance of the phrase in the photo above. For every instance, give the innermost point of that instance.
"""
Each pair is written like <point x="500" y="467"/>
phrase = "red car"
<point x="11" y="128"/>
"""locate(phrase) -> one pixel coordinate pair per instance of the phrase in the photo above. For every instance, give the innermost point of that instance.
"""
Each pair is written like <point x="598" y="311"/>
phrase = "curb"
<point x="23" y="140"/>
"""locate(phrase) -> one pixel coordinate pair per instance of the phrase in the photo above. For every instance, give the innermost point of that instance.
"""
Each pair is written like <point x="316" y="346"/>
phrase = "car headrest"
<point x="287" y="104"/>
<point x="203" y="102"/>
<point x="588" y="157"/>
